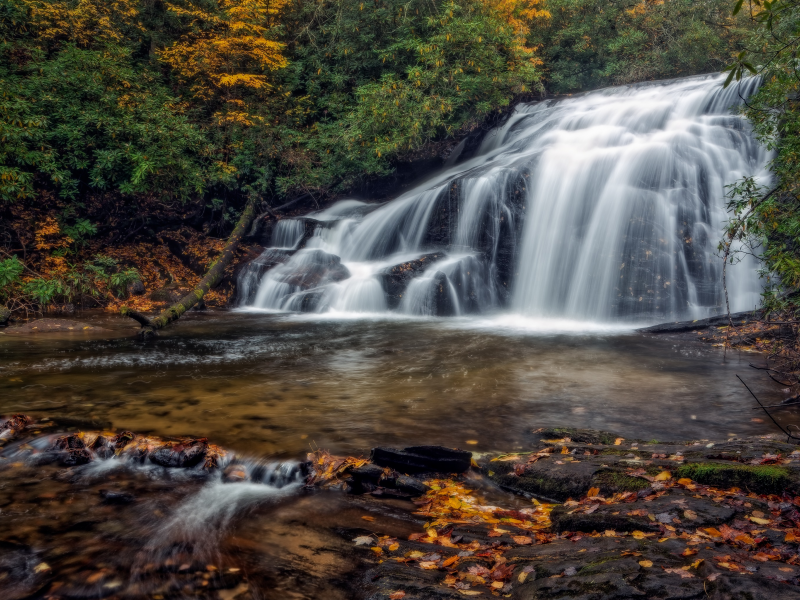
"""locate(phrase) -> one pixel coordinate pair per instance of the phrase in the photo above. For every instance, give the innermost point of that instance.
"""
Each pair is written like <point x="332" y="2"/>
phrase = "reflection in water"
<point x="271" y="385"/>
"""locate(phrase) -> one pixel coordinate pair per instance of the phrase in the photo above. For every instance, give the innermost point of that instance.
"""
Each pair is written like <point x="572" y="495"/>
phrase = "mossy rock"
<point x="762" y="479"/>
<point x="611" y="482"/>
<point x="581" y="436"/>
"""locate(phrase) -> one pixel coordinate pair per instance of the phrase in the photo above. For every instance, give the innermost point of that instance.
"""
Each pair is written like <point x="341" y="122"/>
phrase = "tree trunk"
<point x="212" y="278"/>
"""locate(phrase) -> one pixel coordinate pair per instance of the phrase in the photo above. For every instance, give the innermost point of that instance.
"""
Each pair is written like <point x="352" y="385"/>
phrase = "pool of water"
<point x="273" y="385"/>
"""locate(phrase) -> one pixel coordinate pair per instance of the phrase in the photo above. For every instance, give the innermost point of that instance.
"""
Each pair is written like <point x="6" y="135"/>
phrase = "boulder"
<point x="105" y="447"/>
<point x="395" y="279"/>
<point x="312" y="269"/>
<point x="423" y="459"/>
<point x="5" y="316"/>
<point x="70" y="451"/>
<point x="181" y="454"/>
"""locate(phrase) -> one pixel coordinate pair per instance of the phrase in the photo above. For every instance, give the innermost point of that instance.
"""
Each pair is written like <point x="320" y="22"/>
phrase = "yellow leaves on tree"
<point x="518" y="13"/>
<point x="228" y="51"/>
<point x="83" y="22"/>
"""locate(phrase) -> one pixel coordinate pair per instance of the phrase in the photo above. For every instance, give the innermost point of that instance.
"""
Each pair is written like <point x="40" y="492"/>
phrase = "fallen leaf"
<point x="454" y="502"/>
<point x="792" y="536"/>
<point x="470" y="592"/>
<point x="759" y="521"/>
<point x="593" y="492"/>
<point x="522" y="540"/>
<point x="497" y="584"/>
<point x="377" y="550"/>
<point x="564" y="450"/>
<point x="429" y="565"/>
<point x="697" y="563"/>
<point x="472" y="442"/>
<point x="393" y="547"/>
<point x="41" y="567"/>
<point x="663" y="476"/>
<point x="363" y="540"/>
<point x="646" y="563"/>
<point x="681" y="572"/>
<point x="414" y="554"/>
<point x="618" y="441"/>
<point x="713" y="577"/>
<point x="690" y="514"/>
<point x="684" y="481"/>
<point x="367" y="518"/>
<point x="398" y="595"/>
<point x="449" y="561"/>
<point x="689" y="552"/>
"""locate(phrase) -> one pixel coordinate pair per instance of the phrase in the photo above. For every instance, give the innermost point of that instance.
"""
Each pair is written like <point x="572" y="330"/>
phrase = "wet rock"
<point x="22" y="574"/>
<point x="49" y="325"/>
<point x="5" y="316"/>
<point x="250" y="274"/>
<point x="111" y="497"/>
<point x="71" y="451"/>
<point x="15" y="424"/>
<point x="317" y="268"/>
<point x="410" y="485"/>
<point x="395" y="279"/>
<point x="442" y="304"/>
<point x="234" y="472"/>
<point x="423" y="459"/>
<point x="368" y="472"/>
<point x="181" y="454"/>
<point x="105" y="447"/>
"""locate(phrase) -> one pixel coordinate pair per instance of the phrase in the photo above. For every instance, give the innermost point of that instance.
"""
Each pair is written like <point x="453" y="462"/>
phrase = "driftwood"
<point x="211" y="279"/>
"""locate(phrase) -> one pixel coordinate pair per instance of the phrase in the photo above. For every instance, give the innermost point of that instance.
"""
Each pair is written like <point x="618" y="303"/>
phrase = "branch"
<point x="211" y="279"/>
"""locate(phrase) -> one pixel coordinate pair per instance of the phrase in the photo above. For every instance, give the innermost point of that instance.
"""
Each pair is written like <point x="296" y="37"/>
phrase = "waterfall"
<point x="607" y="206"/>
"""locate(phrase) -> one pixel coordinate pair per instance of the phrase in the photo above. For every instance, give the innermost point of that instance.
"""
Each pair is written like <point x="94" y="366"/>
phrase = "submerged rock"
<point x="423" y="459"/>
<point x="180" y="454"/>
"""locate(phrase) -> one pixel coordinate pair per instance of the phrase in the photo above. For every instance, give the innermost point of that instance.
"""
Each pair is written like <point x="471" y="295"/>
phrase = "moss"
<point x="592" y="567"/>
<point x="619" y="482"/>
<point x="764" y="479"/>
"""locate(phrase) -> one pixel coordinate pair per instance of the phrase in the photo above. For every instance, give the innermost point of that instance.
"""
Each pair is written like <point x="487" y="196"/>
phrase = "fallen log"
<point x="211" y="279"/>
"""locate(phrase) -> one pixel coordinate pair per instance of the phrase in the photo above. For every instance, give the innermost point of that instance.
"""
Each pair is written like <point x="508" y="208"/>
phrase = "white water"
<point x="605" y="207"/>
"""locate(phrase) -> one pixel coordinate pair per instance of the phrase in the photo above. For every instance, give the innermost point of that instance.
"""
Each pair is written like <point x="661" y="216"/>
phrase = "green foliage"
<point x="594" y="43"/>
<point x="380" y="79"/>
<point x="10" y="270"/>
<point x="766" y="219"/>
<point x="93" y="120"/>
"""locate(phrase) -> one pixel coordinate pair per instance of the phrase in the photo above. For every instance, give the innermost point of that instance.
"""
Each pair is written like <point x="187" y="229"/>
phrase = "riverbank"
<point x="631" y="518"/>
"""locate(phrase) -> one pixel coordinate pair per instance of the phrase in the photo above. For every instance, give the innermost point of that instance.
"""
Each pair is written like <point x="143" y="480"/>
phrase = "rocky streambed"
<point x="574" y="514"/>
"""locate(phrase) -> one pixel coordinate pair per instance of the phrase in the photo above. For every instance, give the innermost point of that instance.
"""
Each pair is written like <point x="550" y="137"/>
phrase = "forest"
<point x="124" y="122"/>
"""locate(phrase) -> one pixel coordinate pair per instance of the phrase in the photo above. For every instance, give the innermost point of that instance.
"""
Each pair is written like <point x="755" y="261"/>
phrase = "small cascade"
<point x="604" y="207"/>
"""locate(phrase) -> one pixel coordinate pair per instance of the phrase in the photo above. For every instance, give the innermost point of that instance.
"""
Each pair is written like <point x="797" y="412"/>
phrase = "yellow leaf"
<point x="663" y="476"/>
<point x="697" y="563"/>
<point x="564" y="450"/>
<point x="593" y="492"/>
<point x="684" y="481"/>
<point x="646" y="563"/>
<point x="638" y="535"/>
<point x="377" y="550"/>
<point x="759" y="521"/>
<point x="454" y="502"/>
<point x="618" y="441"/>
<point x="394" y="547"/>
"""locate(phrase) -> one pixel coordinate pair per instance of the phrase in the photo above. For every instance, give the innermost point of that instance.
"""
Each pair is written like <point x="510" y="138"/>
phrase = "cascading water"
<point x="605" y="207"/>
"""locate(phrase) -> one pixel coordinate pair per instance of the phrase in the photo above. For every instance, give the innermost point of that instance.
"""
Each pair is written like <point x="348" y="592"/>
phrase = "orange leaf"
<point x="522" y="540"/>
<point x="593" y="492"/>
<point x="450" y="561"/>
<point x="398" y="595"/>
